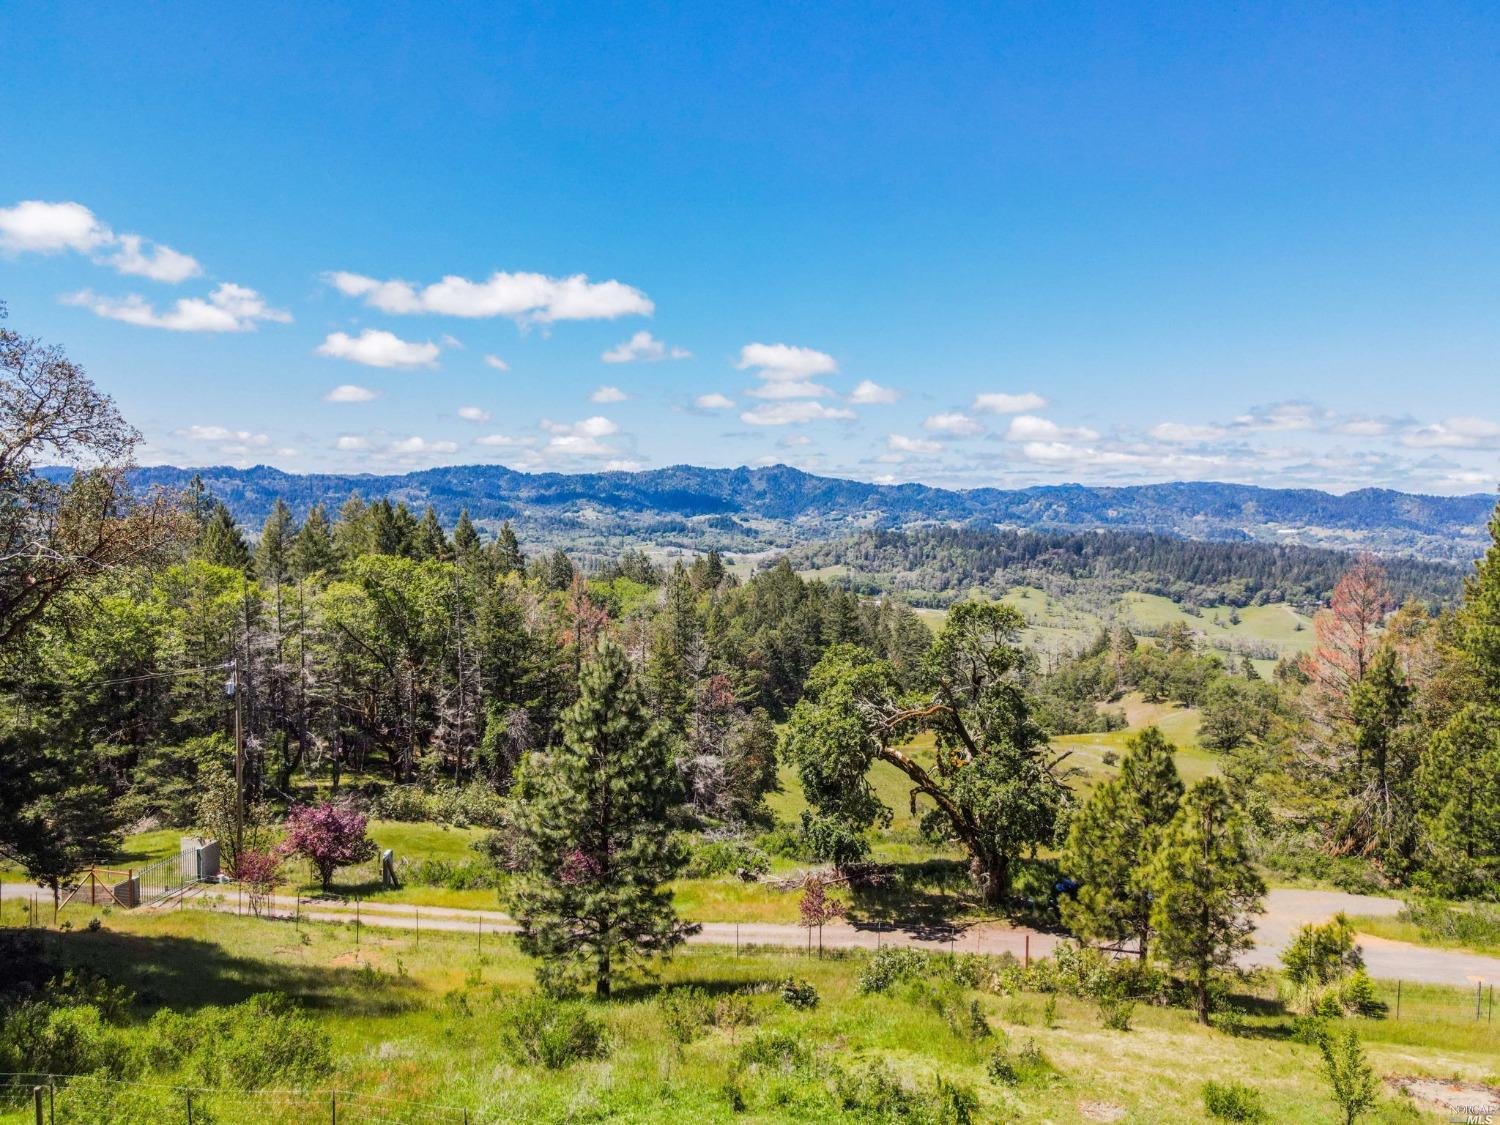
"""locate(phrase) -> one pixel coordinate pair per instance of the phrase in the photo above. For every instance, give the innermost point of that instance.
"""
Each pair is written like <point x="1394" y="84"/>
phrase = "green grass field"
<point x="418" y="1020"/>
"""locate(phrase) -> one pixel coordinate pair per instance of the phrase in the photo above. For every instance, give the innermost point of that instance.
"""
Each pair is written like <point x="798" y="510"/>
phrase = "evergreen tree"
<point x="1113" y="839"/>
<point x="1479" y="620"/>
<point x="355" y="533"/>
<point x="1380" y="819"/>
<point x="273" y="561"/>
<point x="1204" y="886"/>
<point x="1459" y="787"/>
<point x="465" y="536"/>
<point x="428" y="541"/>
<point x="313" y="547"/>
<point x="222" y="543"/>
<point x="595" y="818"/>
<point x="507" y="551"/>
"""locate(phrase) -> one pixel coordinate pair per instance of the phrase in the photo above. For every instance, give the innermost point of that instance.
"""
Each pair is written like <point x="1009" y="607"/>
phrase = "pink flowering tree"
<point x="258" y="871"/>
<point x="330" y="836"/>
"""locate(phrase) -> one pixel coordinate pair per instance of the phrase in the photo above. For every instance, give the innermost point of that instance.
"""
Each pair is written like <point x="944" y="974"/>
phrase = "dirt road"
<point x="1286" y="911"/>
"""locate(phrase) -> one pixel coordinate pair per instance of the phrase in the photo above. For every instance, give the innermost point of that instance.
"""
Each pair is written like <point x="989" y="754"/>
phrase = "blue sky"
<point x="965" y="245"/>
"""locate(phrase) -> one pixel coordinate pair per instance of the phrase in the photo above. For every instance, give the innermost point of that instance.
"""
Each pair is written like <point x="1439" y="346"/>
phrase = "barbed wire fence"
<point x="82" y="1097"/>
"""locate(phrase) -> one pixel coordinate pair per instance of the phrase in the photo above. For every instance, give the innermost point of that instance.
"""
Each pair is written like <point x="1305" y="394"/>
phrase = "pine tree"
<point x="465" y="536"/>
<point x="1113" y="839"/>
<point x="429" y="542"/>
<point x="594" y="816"/>
<point x="221" y="542"/>
<point x="507" y="551"/>
<point x="1459" y="787"/>
<point x="1479" y="620"/>
<point x="313" y="548"/>
<point x="273" y="553"/>
<point x="1204" y="887"/>
<point x="355" y="533"/>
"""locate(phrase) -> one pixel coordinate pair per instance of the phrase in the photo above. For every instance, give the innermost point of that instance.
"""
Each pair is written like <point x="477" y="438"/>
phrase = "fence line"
<point x="312" y="1104"/>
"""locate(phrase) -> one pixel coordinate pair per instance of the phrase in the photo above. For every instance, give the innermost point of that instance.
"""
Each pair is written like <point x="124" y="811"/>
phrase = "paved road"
<point x="1286" y="911"/>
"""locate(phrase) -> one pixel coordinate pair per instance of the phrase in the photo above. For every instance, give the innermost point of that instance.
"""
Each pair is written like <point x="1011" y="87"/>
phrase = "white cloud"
<point x="580" y="439"/>
<point x="473" y="414"/>
<point x="226" y="441"/>
<point x="793" y="413"/>
<point x="350" y="392"/>
<point x="140" y="257"/>
<point x="870" y="394"/>
<point x="643" y="348"/>
<point x="1363" y="427"/>
<point x="521" y="296"/>
<point x="1454" y="433"/>
<point x="1182" y="433"/>
<point x="35" y="226"/>
<point x="49" y="228"/>
<point x="953" y="422"/>
<point x="496" y="362"/>
<point x="900" y="443"/>
<point x="786" y="371"/>
<point x="351" y="442"/>
<point x="1029" y="427"/>
<point x="608" y="394"/>
<point x="376" y="348"/>
<point x="229" y="308"/>
<point x="791" y="441"/>
<point x="414" y="445"/>
<point x="998" y="402"/>
<point x="504" y="441"/>
<point x="623" y="466"/>
<point x="714" y="401"/>
<point x="1282" y="416"/>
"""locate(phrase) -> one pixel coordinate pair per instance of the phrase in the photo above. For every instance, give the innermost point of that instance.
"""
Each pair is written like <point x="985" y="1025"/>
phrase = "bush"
<point x="1016" y="1066"/>
<point x="799" y="993"/>
<point x="785" y="842"/>
<point x="59" y="1040"/>
<point x="1320" y="955"/>
<point x="712" y="858"/>
<point x="685" y="1012"/>
<point x="475" y="805"/>
<point x="779" y="1050"/>
<point x="1115" y="1014"/>
<point x="874" y="1092"/>
<point x="1232" y="1101"/>
<point x="891" y="965"/>
<point x="552" y="1033"/>
<point x="455" y="875"/>
<point x="265" y="1041"/>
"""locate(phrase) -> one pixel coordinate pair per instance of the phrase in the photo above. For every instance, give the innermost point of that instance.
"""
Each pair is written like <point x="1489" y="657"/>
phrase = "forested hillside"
<point x="746" y="509"/>
<point x="936" y="565"/>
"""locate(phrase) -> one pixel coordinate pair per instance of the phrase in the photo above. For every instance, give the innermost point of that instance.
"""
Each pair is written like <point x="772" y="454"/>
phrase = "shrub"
<point x="1016" y="1066"/>
<point x="1320" y="955"/>
<point x="552" y="1033"/>
<point x="1353" y="1084"/>
<point x="1232" y="1101"/>
<point x="727" y="857"/>
<point x="785" y="842"/>
<point x="59" y="1040"/>
<point x="799" y="993"/>
<point x="264" y="1041"/>
<point x="1115" y="1014"/>
<point x="463" y="806"/>
<point x="874" y="1092"/>
<point x="780" y="1050"/>
<point x="1357" y="995"/>
<point x="685" y="1012"/>
<point x="890" y="965"/>
<point x="455" y="875"/>
<point x="84" y="986"/>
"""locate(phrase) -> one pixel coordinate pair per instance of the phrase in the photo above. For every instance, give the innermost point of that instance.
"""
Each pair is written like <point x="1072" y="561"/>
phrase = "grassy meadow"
<point x="429" y="1020"/>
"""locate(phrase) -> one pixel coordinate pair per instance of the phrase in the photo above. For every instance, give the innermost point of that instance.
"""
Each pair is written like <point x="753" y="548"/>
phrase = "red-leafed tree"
<point x="1346" y="633"/>
<point x="330" y="835"/>
<point x="258" y="871"/>
<point x="816" y="908"/>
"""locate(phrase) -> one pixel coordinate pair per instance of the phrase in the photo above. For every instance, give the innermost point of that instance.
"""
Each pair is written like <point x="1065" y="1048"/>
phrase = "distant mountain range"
<point x="767" y="508"/>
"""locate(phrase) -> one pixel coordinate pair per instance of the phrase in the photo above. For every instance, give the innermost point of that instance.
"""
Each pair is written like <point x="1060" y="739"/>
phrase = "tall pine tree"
<point x="1113" y="839"/>
<point x="594" y="815"/>
<point x="1204" y="887"/>
<point x="1479" y="620"/>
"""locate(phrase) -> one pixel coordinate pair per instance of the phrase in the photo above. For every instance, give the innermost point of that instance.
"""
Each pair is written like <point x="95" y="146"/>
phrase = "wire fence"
<point x="53" y="1098"/>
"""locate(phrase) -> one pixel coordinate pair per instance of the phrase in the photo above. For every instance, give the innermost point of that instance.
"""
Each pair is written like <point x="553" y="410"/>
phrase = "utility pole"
<point x="239" y="763"/>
